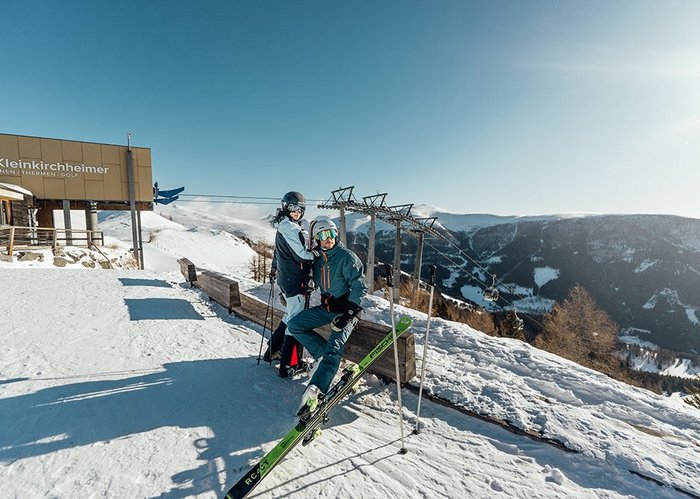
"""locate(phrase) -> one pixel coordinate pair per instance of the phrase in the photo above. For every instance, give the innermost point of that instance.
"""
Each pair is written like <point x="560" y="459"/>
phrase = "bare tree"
<point x="260" y="264"/>
<point x="578" y="330"/>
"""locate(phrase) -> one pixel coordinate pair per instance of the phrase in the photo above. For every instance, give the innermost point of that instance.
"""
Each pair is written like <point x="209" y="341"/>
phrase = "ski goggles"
<point x="295" y="208"/>
<point x="326" y="234"/>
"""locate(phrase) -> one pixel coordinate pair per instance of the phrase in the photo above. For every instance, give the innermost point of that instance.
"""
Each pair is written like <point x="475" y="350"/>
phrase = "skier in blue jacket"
<point x="338" y="274"/>
<point x="291" y="268"/>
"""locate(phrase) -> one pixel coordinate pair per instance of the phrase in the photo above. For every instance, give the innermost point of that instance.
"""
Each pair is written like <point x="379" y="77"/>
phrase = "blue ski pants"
<point x="302" y="325"/>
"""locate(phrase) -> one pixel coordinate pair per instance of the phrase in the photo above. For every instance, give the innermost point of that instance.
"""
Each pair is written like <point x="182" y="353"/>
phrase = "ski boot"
<point x="313" y="435"/>
<point x="301" y="368"/>
<point x="309" y="402"/>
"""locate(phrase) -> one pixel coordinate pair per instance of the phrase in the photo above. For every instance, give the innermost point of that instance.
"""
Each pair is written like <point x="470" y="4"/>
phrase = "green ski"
<point x="312" y="422"/>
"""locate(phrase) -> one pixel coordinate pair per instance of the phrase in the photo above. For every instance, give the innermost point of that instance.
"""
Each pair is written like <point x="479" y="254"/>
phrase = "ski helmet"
<point x="294" y="201"/>
<point x="321" y="224"/>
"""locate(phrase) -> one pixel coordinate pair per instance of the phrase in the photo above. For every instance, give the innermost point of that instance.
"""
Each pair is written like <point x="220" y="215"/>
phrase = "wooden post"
<point x="12" y="241"/>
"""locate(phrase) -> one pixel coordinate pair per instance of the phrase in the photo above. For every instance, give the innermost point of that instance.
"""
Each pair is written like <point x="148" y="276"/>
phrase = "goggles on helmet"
<point x="326" y="234"/>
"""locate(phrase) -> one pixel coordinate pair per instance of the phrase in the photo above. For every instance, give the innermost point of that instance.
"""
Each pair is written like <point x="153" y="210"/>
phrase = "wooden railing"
<point x="12" y="237"/>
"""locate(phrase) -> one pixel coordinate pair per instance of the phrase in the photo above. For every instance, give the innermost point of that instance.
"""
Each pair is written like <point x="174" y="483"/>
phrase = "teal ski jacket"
<point x="339" y="272"/>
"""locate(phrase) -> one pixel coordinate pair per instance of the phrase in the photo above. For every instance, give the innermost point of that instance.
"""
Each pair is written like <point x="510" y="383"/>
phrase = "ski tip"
<point x="404" y="322"/>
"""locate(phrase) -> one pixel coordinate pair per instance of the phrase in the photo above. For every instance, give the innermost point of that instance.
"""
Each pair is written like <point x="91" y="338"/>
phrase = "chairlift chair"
<point x="491" y="293"/>
<point x="518" y="323"/>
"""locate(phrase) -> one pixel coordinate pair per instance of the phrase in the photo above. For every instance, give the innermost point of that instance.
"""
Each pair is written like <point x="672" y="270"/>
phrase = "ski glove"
<point x="342" y="320"/>
<point x="336" y="305"/>
<point x="273" y="276"/>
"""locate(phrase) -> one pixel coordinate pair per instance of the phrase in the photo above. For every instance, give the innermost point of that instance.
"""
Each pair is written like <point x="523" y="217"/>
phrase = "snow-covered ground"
<point x="122" y="383"/>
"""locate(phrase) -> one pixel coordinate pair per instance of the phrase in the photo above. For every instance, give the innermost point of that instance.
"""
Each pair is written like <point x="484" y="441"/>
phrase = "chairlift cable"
<point x="503" y="308"/>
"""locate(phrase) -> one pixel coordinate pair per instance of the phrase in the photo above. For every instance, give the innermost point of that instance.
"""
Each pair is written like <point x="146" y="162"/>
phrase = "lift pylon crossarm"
<point x="402" y="209"/>
<point x="426" y="221"/>
<point x="343" y="194"/>
<point x="371" y="201"/>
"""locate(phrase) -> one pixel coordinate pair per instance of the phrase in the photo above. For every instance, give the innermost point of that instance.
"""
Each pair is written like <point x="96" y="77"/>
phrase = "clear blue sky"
<point x="506" y="107"/>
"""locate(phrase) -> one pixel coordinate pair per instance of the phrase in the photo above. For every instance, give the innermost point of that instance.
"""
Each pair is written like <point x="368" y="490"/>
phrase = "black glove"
<point x="273" y="275"/>
<point x="335" y="305"/>
<point x="342" y="320"/>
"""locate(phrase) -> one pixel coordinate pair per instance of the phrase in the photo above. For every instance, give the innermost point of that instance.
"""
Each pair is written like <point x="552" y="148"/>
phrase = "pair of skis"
<point x="305" y="429"/>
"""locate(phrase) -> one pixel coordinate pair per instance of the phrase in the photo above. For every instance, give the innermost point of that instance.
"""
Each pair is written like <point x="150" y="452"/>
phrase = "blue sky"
<point x="505" y="107"/>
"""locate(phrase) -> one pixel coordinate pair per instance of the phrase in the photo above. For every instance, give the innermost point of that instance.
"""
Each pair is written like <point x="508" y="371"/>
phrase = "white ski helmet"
<point x="322" y="223"/>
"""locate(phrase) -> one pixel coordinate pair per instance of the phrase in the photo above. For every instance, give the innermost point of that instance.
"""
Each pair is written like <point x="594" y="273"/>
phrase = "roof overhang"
<point x="11" y="192"/>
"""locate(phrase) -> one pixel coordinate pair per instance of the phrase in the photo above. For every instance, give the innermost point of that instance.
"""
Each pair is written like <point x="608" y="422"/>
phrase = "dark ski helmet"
<point x="293" y="201"/>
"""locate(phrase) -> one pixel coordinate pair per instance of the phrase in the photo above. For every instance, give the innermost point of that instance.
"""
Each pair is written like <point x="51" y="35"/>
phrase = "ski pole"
<point x="267" y="311"/>
<point x="390" y="285"/>
<point x="431" y="283"/>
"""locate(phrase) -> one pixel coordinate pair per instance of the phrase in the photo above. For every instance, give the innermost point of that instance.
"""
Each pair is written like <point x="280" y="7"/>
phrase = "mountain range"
<point x="643" y="270"/>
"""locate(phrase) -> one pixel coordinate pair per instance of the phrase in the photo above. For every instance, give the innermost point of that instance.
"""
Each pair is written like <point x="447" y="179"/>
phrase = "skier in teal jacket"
<point x="339" y="276"/>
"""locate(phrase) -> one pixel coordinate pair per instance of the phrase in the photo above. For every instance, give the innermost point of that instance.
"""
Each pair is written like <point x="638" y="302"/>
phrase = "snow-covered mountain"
<point x="644" y="270"/>
<point x="131" y="384"/>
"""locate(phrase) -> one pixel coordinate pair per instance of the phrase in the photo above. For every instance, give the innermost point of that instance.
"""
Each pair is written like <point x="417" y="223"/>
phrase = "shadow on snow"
<point x="244" y="405"/>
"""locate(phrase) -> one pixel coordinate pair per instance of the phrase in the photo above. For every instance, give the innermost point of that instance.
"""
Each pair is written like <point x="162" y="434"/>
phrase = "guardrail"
<point x="12" y="237"/>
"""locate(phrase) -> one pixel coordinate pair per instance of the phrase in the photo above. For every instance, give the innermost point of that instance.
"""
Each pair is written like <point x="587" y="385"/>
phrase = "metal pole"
<point x="397" y="262"/>
<point x="91" y="215"/>
<point x="419" y="261"/>
<point x="370" y="252"/>
<point x="67" y="222"/>
<point x="132" y="200"/>
<point x="390" y="284"/>
<point x="138" y="216"/>
<point x="343" y="227"/>
<point x="431" y="283"/>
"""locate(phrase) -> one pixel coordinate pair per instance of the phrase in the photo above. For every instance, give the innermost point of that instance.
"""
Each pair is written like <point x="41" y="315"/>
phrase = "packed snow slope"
<point x="130" y="384"/>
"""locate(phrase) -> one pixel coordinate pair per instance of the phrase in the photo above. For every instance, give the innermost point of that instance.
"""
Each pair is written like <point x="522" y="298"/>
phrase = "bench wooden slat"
<point x="220" y="288"/>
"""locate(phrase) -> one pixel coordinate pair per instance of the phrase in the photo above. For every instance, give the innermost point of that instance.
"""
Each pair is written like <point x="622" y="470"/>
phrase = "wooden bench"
<point x="188" y="270"/>
<point x="366" y="336"/>
<point x="220" y="288"/>
<point x="217" y="286"/>
<point x="363" y="339"/>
